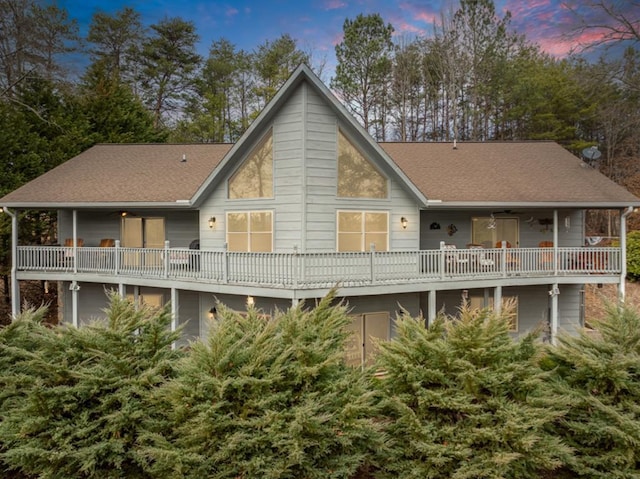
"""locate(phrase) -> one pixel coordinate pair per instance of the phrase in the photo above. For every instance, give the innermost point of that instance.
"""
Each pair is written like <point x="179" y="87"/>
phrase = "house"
<point x="306" y="200"/>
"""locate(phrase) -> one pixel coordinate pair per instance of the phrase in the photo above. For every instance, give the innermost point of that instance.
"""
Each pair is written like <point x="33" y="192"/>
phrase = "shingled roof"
<point x="123" y="173"/>
<point x="518" y="173"/>
<point x="509" y="173"/>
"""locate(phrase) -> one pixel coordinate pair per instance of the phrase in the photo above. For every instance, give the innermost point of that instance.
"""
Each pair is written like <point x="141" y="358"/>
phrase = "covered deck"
<point x="313" y="271"/>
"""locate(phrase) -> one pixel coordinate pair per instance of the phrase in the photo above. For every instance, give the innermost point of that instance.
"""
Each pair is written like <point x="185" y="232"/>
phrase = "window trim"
<point x="364" y="247"/>
<point x="248" y="232"/>
<point x="353" y="144"/>
<point x="268" y="134"/>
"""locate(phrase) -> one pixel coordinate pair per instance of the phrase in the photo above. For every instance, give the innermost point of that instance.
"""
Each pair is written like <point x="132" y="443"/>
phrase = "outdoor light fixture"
<point x="123" y="213"/>
<point x="212" y="222"/>
<point x="212" y="313"/>
<point x="404" y="221"/>
<point x="250" y="301"/>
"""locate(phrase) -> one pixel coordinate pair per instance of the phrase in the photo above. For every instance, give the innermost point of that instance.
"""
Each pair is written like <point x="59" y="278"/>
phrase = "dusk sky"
<point x="317" y="24"/>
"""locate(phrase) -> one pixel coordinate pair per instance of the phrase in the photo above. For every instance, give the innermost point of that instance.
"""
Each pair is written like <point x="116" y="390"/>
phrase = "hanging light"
<point x="212" y="222"/>
<point x="404" y="222"/>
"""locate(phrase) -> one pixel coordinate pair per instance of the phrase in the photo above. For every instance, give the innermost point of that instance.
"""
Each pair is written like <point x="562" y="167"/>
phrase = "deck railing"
<point x="319" y="270"/>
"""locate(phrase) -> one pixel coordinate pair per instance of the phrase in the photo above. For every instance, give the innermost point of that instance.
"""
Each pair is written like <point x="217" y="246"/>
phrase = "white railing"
<point x="313" y="270"/>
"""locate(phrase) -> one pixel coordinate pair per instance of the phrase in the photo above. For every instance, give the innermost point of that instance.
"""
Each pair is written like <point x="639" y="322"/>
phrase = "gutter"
<point x="623" y="248"/>
<point x="15" y="288"/>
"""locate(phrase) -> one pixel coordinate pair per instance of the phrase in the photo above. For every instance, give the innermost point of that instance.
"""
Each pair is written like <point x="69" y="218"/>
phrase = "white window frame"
<point x="248" y="232"/>
<point x="363" y="247"/>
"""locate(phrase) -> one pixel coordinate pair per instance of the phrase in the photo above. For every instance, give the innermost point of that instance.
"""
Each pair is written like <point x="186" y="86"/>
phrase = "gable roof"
<point x="506" y="173"/>
<point x="123" y="174"/>
<point x="435" y="174"/>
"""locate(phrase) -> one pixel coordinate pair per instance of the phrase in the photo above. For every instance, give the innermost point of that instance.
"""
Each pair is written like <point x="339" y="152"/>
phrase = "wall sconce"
<point x="123" y="213"/>
<point x="212" y="313"/>
<point x="404" y="222"/>
<point x="212" y="222"/>
<point x="250" y="301"/>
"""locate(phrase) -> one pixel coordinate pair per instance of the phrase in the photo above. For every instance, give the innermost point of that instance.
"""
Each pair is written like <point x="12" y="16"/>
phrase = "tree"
<point x="75" y="401"/>
<point x="597" y="374"/>
<point x="212" y="112"/>
<point x="33" y="39"/>
<point x="268" y="397"/>
<point x="462" y="399"/>
<point x="363" y="67"/>
<point x="115" y="39"/>
<point x="169" y="63"/>
<point x="273" y="63"/>
<point x="610" y="21"/>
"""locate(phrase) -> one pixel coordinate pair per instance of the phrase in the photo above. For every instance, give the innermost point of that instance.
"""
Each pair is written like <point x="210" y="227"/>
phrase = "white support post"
<point x="553" y="323"/>
<point x="497" y="299"/>
<point x="15" y="287"/>
<point x="75" y="240"/>
<point x="431" y="307"/>
<point x="175" y="297"/>
<point x="622" y="287"/>
<point x="74" y="287"/>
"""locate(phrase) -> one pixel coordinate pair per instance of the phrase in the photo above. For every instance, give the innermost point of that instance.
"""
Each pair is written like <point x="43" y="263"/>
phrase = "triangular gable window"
<point x="254" y="178"/>
<point x="357" y="177"/>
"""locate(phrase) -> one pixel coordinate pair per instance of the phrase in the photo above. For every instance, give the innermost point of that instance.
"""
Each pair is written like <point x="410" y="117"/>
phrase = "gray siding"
<point x="305" y="169"/>
<point x="531" y="234"/>
<point x="181" y="227"/>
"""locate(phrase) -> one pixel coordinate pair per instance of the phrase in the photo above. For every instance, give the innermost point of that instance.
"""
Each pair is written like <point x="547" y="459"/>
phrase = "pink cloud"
<point x="404" y="27"/>
<point x="427" y="17"/>
<point x="334" y="4"/>
<point x="231" y="12"/>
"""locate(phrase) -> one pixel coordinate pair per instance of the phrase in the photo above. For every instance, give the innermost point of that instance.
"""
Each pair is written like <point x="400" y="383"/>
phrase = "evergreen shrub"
<point x="76" y="399"/>
<point x="463" y="400"/>
<point x="268" y="397"/>
<point x="598" y="374"/>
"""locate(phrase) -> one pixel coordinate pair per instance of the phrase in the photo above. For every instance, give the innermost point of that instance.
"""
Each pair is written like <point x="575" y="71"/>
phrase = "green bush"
<point x="633" y="255"/>
<point x="463" y="400"/>
<point x="268" y="398"/>
<point x="599" y="375"/>
<point x="75" y="400"/>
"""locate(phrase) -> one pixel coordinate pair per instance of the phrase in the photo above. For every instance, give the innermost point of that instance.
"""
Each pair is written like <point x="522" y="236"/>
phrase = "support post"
<point x="497" y="299"/>
<point x="553" y="323"/>
<point x="431" y="307"/>
<point x="15" y="287"/>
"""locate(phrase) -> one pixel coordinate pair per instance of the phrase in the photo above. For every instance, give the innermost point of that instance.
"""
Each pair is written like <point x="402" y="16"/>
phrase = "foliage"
<point x="599" y="377"/>
<point x="633" y="255"/>
<point x="267" y="398"/>
<point x="364" y="66"/>
<point x="74" y="401"/>
<point x="463" y="400"/>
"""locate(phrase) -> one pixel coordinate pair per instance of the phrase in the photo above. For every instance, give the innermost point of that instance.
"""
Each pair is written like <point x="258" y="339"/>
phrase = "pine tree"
<point x="463" y="400"/>
<point x="268" y="398"/>
<point x="599" y="374"/>
<point x="79" y="398"/>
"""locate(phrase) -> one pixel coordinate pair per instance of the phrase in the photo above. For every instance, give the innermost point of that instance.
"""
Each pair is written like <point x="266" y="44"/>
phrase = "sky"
<point x="316" y="25"/>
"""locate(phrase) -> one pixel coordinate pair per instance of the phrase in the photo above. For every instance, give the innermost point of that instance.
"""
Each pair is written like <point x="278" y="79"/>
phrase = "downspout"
<point x="15" y="288"/>
<point x="623" y="247"/>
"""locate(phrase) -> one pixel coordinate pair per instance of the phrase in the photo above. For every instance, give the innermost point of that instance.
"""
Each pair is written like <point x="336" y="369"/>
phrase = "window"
<point x="254" y="178"/>
<point x="510" y="302"/>
<point x="357" y="230"/>
<point x="357" y="177"/>
<point x="365" y="330"/>
<point x="488" y="231"/>
<point x="250" y="231"/>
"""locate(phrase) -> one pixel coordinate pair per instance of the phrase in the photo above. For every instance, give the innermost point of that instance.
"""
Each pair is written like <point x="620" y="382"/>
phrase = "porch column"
<point x="555" y="228"/>
<point x="175" y="298"/>
<point x="15" y="287"/>
<point x="75" y="241"/>
<point x="121" y="290"/>
<point x="497" y="299"/>
<point x="622" y="288"/>
<point x="553" y="323"/>
<point x="431" y="307"/>
<point x="74" y="287"/>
